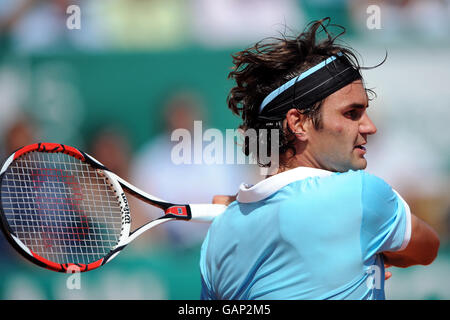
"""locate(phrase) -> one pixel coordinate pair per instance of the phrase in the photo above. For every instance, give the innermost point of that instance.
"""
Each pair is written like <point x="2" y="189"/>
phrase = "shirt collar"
<point x="269" y="186"/>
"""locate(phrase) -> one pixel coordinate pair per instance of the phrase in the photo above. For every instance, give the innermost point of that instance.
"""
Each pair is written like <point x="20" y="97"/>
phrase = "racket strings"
<point x="61" y="208"/>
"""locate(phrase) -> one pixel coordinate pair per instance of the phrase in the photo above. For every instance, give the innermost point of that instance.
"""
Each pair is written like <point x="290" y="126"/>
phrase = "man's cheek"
<point x="339" y="129"/>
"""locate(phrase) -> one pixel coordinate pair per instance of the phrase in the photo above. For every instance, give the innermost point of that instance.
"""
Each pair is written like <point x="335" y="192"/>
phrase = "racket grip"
<point x="206" y="212"/>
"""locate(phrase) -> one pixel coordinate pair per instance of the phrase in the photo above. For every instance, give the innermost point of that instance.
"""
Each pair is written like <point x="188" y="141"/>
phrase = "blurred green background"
<point x="112" y="82"/>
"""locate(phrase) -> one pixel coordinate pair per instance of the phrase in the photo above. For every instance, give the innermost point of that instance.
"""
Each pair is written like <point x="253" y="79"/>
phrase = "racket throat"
<point x="111" y="255"/>
<point x="136" y="233"/>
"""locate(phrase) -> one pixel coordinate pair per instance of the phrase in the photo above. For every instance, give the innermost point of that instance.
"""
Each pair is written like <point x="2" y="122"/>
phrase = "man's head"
<point x="304" y="82"/>
<point x="338" y="143"/>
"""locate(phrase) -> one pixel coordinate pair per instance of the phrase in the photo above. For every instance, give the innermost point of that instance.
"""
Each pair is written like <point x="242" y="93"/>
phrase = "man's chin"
<point x="360" y="165"/>
<point x="357" y="164"/>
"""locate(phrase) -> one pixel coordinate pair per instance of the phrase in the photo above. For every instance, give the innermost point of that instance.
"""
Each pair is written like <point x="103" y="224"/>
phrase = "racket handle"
<point x="206" y="212"/>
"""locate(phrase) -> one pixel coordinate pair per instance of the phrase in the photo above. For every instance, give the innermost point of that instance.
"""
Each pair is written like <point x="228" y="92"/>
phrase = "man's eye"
<point x="352" y="114"/>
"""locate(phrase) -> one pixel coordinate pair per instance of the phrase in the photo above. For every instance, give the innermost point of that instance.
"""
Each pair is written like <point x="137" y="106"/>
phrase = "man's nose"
<point x="367" y="126"/>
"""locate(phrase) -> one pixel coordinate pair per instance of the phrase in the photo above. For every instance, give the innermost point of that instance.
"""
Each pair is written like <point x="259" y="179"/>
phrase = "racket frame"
<point x="16" y="243"/>
<point x="202" y="212"/>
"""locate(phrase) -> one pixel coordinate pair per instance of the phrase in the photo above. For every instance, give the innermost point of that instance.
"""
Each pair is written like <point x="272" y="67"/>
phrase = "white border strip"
<point x="407" y="237"/>
<point x="7" y="163"/>
<point x="21" y="244"/>
<point x="267" y="187"/>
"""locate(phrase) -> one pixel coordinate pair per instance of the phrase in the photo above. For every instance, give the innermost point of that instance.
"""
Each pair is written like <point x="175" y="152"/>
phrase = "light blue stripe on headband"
<point x="291" y="82"/>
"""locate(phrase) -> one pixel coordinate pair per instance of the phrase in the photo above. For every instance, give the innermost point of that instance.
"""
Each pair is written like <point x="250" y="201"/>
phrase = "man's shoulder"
<point x="352" y="183"/>
<point x="336" y="180"/>
<point x="363" y="176"/>
<point x="370" y="185"/>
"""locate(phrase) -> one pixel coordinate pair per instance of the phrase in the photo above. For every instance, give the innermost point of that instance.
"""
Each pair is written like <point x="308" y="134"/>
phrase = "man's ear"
<point x="296" y="124"/>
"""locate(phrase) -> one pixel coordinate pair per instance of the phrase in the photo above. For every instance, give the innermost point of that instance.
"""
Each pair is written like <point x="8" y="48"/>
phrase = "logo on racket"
<point x="126" y="209"/>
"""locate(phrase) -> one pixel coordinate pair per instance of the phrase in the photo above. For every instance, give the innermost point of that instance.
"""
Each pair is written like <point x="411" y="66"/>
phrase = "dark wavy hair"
<point x="267" y="65"/>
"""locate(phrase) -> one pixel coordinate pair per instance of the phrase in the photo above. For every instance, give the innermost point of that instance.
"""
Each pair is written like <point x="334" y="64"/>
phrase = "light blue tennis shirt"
<point x="305" y="234"/>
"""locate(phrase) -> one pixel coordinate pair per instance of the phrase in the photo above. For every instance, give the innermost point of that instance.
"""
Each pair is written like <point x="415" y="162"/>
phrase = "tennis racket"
<point x="60" y="207"/>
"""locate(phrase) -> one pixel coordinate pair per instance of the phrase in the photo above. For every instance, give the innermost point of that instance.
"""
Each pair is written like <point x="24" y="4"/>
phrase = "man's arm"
<point x="422" y="248"/>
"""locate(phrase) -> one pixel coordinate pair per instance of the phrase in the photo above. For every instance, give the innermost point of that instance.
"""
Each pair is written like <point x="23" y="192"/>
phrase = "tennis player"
<point x="320" y="227"/>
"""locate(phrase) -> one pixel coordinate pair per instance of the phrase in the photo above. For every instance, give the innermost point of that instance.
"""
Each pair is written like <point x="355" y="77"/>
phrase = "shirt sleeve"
<point x="386" y="218"/>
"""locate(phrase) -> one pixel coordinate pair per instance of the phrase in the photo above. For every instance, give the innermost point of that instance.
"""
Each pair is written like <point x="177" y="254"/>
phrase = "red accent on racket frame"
<point x="49" y="147"/>
<point x="179" y="211"/>
<point x="84" y="267"/>
<point x="62" y="267"/>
